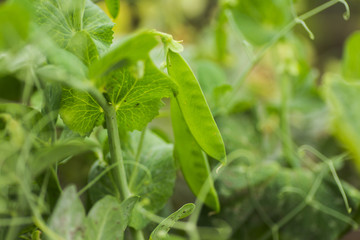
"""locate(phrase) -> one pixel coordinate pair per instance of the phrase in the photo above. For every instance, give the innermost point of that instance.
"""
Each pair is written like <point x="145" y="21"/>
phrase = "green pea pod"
<point x="192" y="160"/>
<point x="194" y="108"/>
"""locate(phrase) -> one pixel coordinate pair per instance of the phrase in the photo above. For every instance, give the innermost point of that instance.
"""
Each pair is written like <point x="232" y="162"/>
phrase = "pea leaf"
<point x="129" y="50"/>
<point x="137" y="100"/>
<point x="79" y="111"/>
<point x="113" y="6"/>
<point x="110" y="218"/>
<point x="103" y="185"/>
<point x="50" y="155"/>
<point x="342" y="98"/>
<point x="68" y="216"/>
<point x="351" y="59"/>
<point x="154" y="181"/>
<point x="61" y="19"/>
<point x="152" y="178"/>
<point x="83" y="47"/>
<point x="160" y="232"/>
<point x="14" y="25"/>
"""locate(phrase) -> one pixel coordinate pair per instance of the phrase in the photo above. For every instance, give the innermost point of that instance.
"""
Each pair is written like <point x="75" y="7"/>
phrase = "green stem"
<point x="137" y="159"/>
<point x="288" y="148"/>
<point x="238" y="84"/>
<point x="13" y="228"/>
<point x="118" y="172"/>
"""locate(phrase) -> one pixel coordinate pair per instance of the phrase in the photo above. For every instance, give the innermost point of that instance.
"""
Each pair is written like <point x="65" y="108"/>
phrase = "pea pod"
<point x="194" y="107"/>
<point x="192" y="160"/>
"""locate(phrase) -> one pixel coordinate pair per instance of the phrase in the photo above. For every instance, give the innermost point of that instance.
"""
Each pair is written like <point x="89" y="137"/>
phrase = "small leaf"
<point x="83" y="47"/>
<point x="351" y="59"/>
<point x="113" y="6"/>
<point x="160" y="232"/>
<point x="111" y="218"/>
<point x="343" y="97"/>
<point x="128" y="51"/>
<point x="68" y="216"/>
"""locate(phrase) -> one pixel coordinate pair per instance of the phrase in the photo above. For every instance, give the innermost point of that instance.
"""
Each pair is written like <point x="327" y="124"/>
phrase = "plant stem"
<point x="118" y="171"/>
<point x="288" y="148"/>
<point x="137" y="159"/>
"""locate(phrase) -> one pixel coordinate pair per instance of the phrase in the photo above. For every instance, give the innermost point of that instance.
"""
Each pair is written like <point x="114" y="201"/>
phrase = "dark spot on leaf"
<point x="137" y="104"/>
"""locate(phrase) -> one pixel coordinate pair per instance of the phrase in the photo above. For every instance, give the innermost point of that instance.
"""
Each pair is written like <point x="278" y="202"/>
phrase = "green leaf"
<point x="113" y="6"/>
<point x="31" y="120"/>
<point x="160" y="232"/>
<point x="61" y="19"/>
<point x="343" y="97"/>
<point x="221" y="36"/>
<point x="53" y="154"/>
<point x="68" y="216"/>
<point x="110" y="218"/>
<point x="103" y="185"/>
<point x="62" y="66"/>
<point x="192" y="160"/>
<point x="79" y="111"/>
<point x="194" y="108"/>
<point x="154" y="178"/>
<point x="52" y="98"/>
<point x="213" y="82"/>
<point x="137" y="99"/>
<point x="14" y="25"/>
<point x="131" y="49"/>
<point x="83" y="47"/>
<point x="351" y="60"/>
<point x="258" y="14"/>
<point x="287" y="200"/>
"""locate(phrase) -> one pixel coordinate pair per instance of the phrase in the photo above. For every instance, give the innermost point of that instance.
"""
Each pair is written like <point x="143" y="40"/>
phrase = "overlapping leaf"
<point x="137" y="100"/>
<point x="61" y="19"/>
<point x="107" y="219"/>
<point x="153" y="180"/>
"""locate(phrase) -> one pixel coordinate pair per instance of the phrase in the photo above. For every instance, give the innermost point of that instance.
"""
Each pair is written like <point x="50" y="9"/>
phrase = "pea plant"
<point x="78" y="95"/>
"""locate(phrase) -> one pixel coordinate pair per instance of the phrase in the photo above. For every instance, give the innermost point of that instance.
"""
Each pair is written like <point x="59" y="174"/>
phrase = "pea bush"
<point x="248" y="141"/>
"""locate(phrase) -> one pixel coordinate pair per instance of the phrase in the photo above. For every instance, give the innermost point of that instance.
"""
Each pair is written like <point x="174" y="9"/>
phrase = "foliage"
<point x="261" y="153"/>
